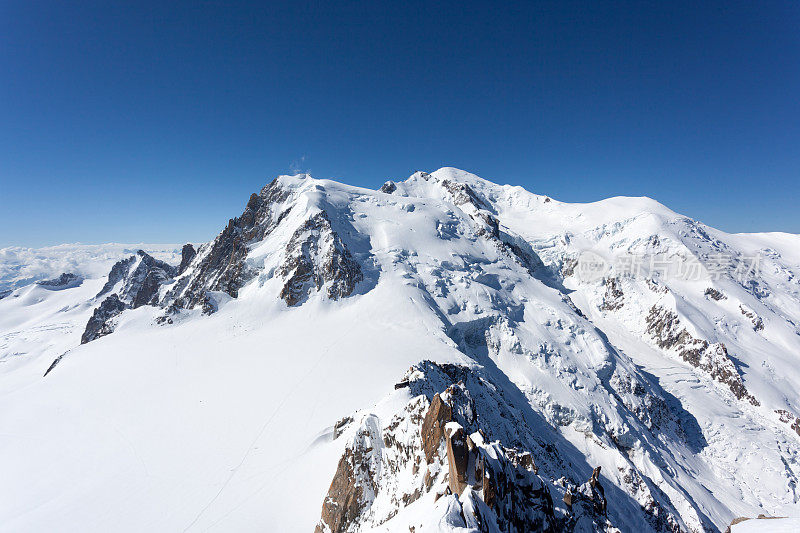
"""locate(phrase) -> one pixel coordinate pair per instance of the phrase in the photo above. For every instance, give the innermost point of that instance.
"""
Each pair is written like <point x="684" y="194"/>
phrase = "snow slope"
<point x="778" y="525"/>
<point x="214" y="407"/>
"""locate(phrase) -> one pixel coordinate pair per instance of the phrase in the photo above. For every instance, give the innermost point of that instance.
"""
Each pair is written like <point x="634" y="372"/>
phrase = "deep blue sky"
<point x="138" y="121"/>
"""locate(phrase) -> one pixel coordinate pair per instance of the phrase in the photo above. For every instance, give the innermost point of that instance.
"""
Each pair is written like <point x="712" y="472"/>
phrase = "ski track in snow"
<point x="144" y="423"/>
<point x="263" y="428"/>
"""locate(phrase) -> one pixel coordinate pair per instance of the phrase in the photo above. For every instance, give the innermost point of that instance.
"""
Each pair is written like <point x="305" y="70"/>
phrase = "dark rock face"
<point x="389" y="187"/>
<point x="503" y="478"/>
<point x="4" y="293"/>
<point x="354" y="482"/>
<point x="188" y="253"/>
<point x="100" y="324"/>
<point x="316" y="257"/>
<point x="463" y="194"/>
<point x="489" y="225"/>
<point x="64" y="281"/>
<point x="344" y="501"/>
<point x="658" y="517"/>
<point x="714" y="294"/>
<point x="587" y="503"/>
<point x="614" y="298"/>
<point x="118" y="271"/>
<point x="429" y="446"/>
<point x="222" y="266"/>
<point x="457" y="458"/>
<point x="758" y="322"/>
<point x="665" y="328"/>
<point x="141" y="277"/>
<point x="788" y="418"/>
<point x="568" y="267"/>
<point x="433" y="424"/>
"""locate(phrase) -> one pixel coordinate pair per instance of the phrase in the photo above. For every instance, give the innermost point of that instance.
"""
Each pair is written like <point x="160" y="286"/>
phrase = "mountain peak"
<point x="471" y="354"/>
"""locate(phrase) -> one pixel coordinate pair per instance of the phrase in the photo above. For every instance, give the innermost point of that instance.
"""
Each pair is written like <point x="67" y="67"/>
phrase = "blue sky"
<point x="139" y="121"/>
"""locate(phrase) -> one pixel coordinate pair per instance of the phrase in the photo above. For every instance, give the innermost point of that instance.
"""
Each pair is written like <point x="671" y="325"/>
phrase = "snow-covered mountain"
<point x="23" y="266"/>
<point x="443" y="354"/>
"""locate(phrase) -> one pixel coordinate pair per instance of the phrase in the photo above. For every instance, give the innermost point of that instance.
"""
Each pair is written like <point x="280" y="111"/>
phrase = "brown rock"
<point x="457" y="458"/>
<point x="595" y="477"/>
<point x="343" y="504"/>
<point x="439" y="414"/>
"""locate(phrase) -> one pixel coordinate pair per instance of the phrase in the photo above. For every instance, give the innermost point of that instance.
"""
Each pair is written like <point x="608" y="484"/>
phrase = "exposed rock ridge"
<point x="118" y="271"/>
<point x="666" y="330"/>
<point x="141" y="275"/>
<point x="101" y="322"/>
<point x="614" y="298"/>
<point x="789" y="419"/>
<point x="138" y="280"/>
<point x="221" y="265"/>
<point x="64" y="281"/>
<point x="188" y="253"/>
<point x="317" y="258"/>
<point x="436" y="448"/>
<point x="489" y="225"/>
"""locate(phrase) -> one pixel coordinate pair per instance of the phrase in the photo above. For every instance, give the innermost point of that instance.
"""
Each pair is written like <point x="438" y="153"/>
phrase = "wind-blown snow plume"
<point x="496" y="361"/>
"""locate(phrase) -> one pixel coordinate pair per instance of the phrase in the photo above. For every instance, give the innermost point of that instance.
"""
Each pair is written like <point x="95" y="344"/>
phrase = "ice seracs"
<point x="573" y="367"/>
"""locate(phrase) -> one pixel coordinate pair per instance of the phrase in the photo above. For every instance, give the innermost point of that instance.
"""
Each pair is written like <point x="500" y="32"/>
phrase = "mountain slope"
<point x="562" y="331"/>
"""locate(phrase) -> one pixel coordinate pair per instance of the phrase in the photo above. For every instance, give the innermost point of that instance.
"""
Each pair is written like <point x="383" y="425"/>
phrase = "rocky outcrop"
<point x="666" y="330"/>
<point x="655" y="286"/>
<point x="136" y="281"/>
<point x="389" y="187"/>
<point x="463" y="194"/>
<point x="316" y="259"/>
<point x="117" y="273"/>
<point x="650" y="409"/>
<point x="613" y="299"/>
<point x="355" y="483"/>
<point x="438" y="446"/>
<point x="568" y="266"/>
<point x="659" y="518"/>
<point x="741" y="519"/>
<point x="587" y="503"/>
<point x="438" y="414"/>
<point x="714" y="294"/>
<point x="64" y="281"/>
<point x="758" y="322"/>
<point x="787" y="417"/>
<point x="457" y="457"/>
<point x="101" y="322"/>
<point x="188" y="253"/>
<point x="505" y="481"/>
<point x="221" y="265"/>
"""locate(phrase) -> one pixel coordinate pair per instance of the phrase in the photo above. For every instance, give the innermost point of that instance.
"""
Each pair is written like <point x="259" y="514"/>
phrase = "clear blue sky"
<point x="140" y="121"/>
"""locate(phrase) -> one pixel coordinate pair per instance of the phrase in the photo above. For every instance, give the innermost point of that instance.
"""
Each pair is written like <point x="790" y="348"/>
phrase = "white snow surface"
<point x="224" y="422"/>
<point x="778" y="525"/>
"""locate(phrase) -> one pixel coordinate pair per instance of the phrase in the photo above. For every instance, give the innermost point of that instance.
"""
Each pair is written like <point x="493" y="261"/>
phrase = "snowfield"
<point x="315" y="338"/>
<point x="779" y="525"/>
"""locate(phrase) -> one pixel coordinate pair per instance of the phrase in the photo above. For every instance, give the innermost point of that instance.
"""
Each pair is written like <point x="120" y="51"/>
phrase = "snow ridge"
<point x="573" y="367"/>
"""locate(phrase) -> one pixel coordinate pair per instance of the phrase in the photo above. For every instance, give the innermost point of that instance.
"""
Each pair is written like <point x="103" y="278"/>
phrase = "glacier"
<point x="442" y="354"/>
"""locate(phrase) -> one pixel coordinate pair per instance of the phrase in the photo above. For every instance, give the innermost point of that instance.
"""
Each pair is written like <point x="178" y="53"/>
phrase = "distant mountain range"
<point x="443" y="354"/>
